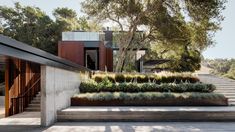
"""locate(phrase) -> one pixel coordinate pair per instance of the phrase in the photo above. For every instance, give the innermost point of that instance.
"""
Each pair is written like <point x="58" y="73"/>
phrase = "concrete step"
<point x="93" y="114"/>
<point x="29" y="109"/>
<point x="34" y="105"/>
<point x="231" y="103"/>
<point x="225" y="88"/>
<point x="230" y="97"/>
<point x="37" y="98"/>
<point x="231" y="100"/>
<point x="225" y="91"/>
<point x="224" y="85"/>
<point x="35" y="101"/>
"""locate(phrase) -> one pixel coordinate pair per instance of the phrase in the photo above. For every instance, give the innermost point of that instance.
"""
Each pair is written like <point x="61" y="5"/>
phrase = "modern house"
<point x="94" y="50"/>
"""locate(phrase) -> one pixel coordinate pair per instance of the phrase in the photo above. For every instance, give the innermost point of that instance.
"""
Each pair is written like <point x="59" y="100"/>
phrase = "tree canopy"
<point x="221" y="67"/>
<point x="188" y="24"/>
<point x="33" y="26"/>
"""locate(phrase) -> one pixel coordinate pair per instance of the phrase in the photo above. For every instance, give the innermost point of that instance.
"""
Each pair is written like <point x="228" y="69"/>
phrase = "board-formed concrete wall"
<point x="57" y="87"/>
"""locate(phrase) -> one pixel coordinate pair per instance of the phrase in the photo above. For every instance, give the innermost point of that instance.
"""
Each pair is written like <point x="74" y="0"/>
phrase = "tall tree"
<point x="29" y="25"/>
<point x="183" y="22"/>
<point x="32" y="26"/>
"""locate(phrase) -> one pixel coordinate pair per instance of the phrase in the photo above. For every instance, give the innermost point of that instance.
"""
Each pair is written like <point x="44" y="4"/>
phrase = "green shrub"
<point x="98" y="78"/>
<point x="120" y="78"/>
<point x="108" y="86"/>
<point x="147" y="96"/>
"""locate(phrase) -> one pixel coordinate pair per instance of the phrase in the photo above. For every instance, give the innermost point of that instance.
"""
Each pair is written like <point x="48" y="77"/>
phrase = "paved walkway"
<point x="30" y="121"/>
<point x="142" y="127"/>
<point x="125" y="127"/>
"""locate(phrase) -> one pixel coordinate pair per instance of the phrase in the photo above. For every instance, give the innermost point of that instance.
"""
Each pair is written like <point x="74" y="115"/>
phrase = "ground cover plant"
<point x="108" y="86"/>
<point x="164" y="77"/>
<point x="147" y="96"/>
<point x="123" y="89"/>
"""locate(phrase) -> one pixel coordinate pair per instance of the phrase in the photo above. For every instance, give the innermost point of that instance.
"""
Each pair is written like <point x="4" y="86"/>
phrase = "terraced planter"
<point x="160" y="102"/>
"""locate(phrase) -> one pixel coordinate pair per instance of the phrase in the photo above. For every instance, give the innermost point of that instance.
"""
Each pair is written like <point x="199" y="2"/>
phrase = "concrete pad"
<point x="23" y="122"/>
<point x="25" y="118"/>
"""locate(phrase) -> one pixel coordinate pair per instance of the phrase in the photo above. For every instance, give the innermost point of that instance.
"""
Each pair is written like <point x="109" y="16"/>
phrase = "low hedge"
<point x="146" y="96"/>
<point x="149" y="99"/>
<point x="144" y="78"/>
<point x="107" y="86"/>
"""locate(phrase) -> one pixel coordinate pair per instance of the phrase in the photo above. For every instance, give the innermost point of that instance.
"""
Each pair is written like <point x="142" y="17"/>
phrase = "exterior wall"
<point x="102" y="57"/>
<point x="105" y="58"/>
<point x="57" y="87"/>
<point x="72" y="50"/>
<point x="109" y="59"/>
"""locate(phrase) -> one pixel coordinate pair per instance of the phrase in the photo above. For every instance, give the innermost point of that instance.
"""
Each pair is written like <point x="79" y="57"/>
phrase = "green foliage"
<point x="32" y="26"/>
<point x="222" y="67"/>
<point x="146" y="96"/>
<point x="188" y="25"/>
<point x="107" y="86"/>
<point x="144" y="78"/>
<point x="120" y="78"/>
<point x="231" y="72"/>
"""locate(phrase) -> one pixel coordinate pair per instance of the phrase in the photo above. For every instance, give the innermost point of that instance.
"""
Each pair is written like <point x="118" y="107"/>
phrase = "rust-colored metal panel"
<point x="7" y="98"/>
<point x="109" y="59"/>
<point x="102" y="56"/>
<point x="72" y="50"/>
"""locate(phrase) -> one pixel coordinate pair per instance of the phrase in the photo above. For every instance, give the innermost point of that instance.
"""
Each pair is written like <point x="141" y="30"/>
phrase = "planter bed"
<point x="174" y="100"/>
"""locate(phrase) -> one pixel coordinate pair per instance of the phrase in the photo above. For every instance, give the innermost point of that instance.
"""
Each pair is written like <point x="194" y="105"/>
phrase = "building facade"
<point x="90" y="49"/>
<point x="94" y="50"/>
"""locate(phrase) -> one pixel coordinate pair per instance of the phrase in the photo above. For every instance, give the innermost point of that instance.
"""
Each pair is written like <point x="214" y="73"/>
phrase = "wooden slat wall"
<point x="19" y="77"/>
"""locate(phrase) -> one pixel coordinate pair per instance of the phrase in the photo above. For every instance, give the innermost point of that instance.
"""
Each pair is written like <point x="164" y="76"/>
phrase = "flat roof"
<point x="13" y="48"/>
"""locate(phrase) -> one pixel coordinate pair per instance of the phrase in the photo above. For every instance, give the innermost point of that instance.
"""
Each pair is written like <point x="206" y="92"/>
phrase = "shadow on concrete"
<point x="21" y="128"/>
<point x="26" y="121"/>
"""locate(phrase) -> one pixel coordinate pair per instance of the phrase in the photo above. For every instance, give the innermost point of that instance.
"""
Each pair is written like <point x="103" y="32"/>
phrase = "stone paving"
<point x="125" y="127"/>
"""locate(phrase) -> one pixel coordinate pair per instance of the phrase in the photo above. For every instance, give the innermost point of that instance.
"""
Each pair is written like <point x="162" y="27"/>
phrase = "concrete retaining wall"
<point x="57" y="87"/>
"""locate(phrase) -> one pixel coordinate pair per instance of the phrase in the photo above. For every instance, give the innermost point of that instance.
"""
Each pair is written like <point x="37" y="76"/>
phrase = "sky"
<point x="225" y="39"/>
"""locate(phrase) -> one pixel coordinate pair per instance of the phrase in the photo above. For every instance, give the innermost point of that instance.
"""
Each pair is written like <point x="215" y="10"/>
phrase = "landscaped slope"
<point x="146" y="90"/>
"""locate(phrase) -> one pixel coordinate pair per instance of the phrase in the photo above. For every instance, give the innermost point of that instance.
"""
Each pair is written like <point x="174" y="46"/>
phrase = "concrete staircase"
<point x="145" y="114"/>
<point x="223" y="85"/>
<point x="34" y="106"/>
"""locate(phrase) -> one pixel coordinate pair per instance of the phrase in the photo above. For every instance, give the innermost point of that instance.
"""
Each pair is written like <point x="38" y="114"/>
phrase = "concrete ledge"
<point x="138" y="114"/>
